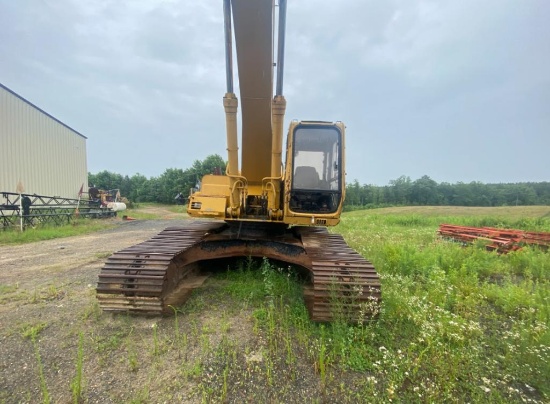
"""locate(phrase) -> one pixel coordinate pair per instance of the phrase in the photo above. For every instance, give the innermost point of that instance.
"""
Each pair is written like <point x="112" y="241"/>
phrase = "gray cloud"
<point x="459" y="91"/>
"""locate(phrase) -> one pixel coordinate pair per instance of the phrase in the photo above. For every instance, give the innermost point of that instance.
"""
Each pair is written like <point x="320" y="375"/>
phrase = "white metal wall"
<point x="48" y="157"/>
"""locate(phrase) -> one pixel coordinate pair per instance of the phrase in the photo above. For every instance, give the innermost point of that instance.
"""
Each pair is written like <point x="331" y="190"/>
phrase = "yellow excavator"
<point x="262" y="208"/>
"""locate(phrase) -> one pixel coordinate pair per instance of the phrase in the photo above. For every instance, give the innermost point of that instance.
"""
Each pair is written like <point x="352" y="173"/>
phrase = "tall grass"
<point x="456" y="320"/>
<point x="421" y="220"/>
<point x="456" y="323"/>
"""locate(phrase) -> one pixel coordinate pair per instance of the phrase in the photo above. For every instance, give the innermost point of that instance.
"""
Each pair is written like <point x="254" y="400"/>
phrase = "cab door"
<point x="315" y="173"/>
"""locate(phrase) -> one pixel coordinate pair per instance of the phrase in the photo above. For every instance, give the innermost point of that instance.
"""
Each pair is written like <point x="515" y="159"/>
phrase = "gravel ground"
<point x="49" y="285"/>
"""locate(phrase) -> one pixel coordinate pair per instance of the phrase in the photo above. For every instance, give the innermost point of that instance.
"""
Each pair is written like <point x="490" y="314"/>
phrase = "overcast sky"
<point x="457" y="90"/>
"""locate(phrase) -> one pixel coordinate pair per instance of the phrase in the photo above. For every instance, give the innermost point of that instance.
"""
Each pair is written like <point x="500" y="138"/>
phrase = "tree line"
<point x="426" y="191"/>
<point x="401" y="191"/>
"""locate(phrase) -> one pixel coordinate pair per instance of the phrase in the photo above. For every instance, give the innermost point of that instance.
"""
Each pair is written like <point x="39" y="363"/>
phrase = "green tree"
<point x="401" y="188"/>
<point x="171" y="182"/>
<point x="353" y="193"/>
<point x="138" y="186"/>
<point x="105" y="180"/>
<point x="424" y="191"/>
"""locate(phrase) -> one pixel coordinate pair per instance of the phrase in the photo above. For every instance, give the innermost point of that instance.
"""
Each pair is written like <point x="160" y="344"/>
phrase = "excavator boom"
<point x="253" y="22"/>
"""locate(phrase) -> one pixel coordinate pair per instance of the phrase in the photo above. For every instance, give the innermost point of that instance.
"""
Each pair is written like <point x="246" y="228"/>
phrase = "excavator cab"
<point x="315" y="172"/>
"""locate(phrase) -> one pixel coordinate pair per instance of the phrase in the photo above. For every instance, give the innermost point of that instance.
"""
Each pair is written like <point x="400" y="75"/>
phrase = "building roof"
<point x="41" y="110"/>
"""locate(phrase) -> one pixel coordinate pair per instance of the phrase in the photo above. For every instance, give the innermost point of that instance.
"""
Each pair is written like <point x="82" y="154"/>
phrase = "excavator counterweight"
<point x="259" y="208"/>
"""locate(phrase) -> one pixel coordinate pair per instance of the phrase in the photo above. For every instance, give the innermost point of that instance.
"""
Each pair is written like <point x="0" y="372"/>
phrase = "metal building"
<point x="38" y="151"/>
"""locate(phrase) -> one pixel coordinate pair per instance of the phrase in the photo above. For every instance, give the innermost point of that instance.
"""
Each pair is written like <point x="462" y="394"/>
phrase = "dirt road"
<point x="54" y="262"/>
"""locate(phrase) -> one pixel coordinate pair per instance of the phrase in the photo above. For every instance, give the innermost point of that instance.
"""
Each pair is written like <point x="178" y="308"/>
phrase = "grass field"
<point x="30" y="235"/>
<point x="456" y="321"/>
<point x="457" y="324"/>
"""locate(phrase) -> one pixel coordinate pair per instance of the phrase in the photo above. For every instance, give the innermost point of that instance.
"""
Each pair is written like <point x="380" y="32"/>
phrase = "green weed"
<point x="133" y="363"/>
<point x="76" y="383"/>
<point x="93" y="311"/>
<point x="5" y="289"/>
<point x="107" y="343"/>
<point x="31" y="332"/>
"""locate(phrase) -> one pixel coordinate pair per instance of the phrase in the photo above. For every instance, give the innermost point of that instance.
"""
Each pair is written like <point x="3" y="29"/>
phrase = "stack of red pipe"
<point x="501" y="240"/>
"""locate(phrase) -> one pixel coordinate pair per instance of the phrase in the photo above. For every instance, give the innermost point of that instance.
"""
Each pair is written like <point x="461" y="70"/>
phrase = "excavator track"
<point x="141" y="278"/>
<point x="160" y="273"/>
<point x="344" y="284"/>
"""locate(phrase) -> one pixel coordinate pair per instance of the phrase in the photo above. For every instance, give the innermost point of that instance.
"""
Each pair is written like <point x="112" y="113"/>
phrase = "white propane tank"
<point x="116" y="206"/>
